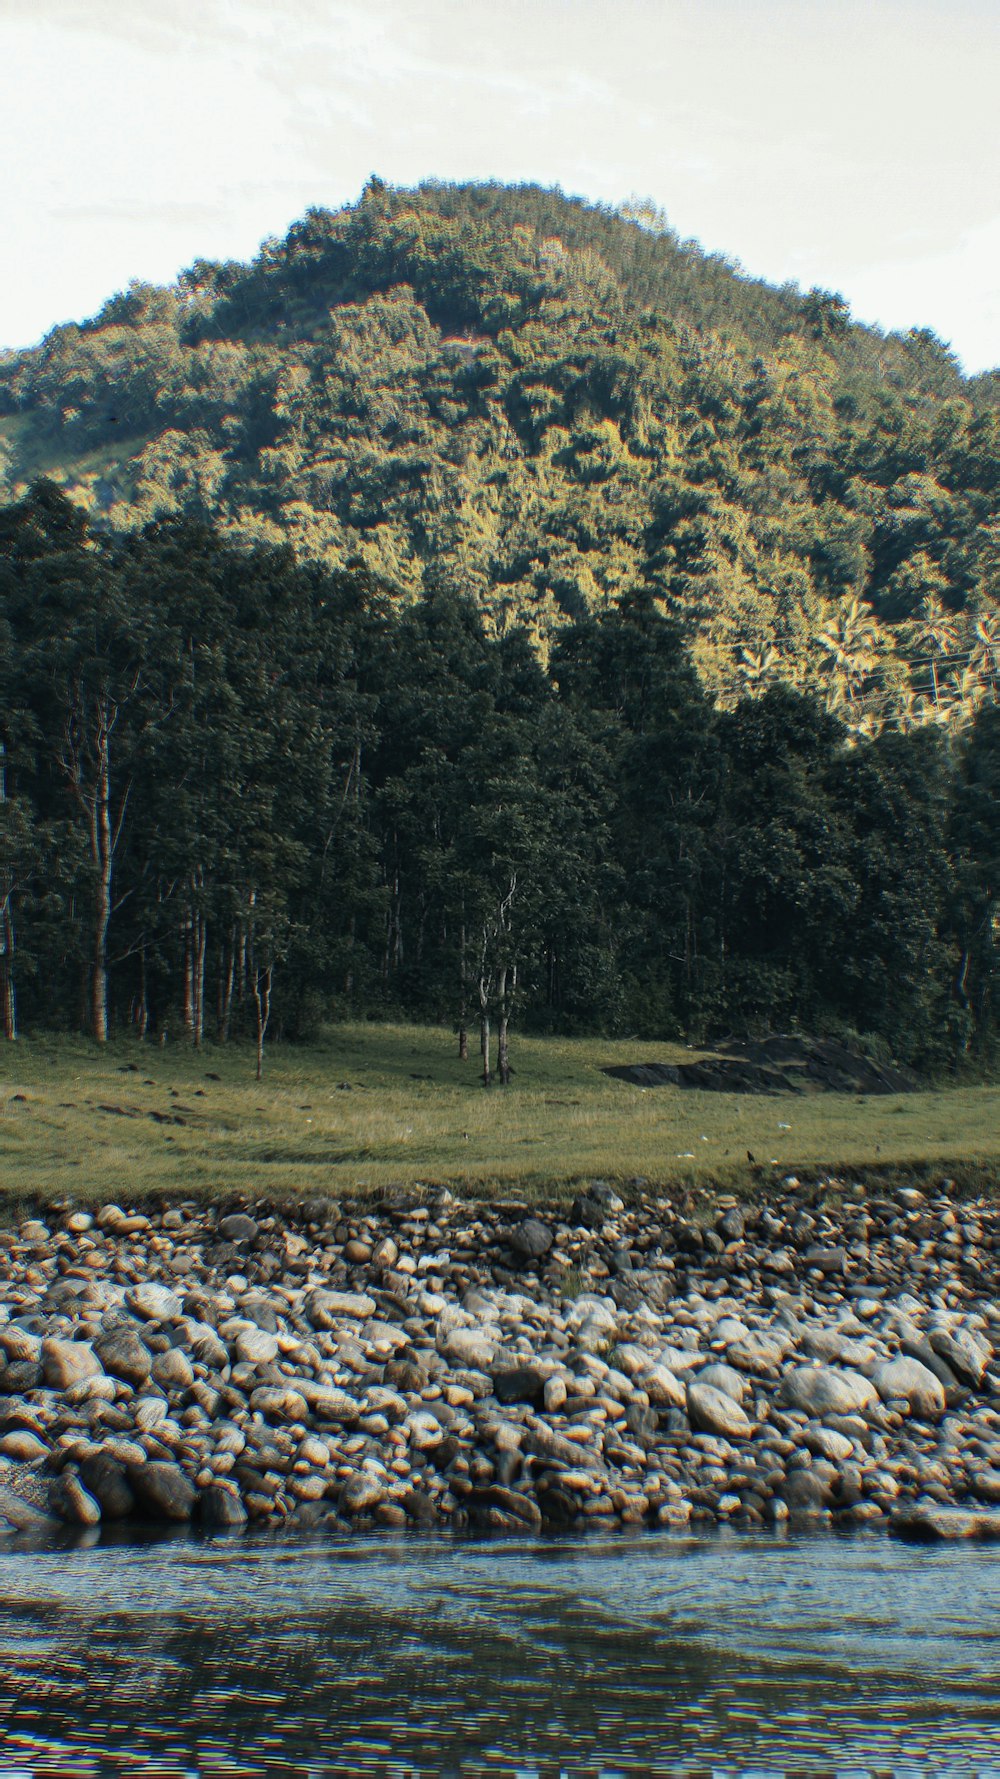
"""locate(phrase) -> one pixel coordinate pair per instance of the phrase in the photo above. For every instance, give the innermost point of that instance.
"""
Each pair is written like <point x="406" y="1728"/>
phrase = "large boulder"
<point x="326" y="1309"/>
<point x="469" y="1347"/>
<point x="906" y="1380"/>
<point x="711" y="1411"/>
<point x="68" y="1362"/>
<point x="825" y="1389"/>
<point x="532" y="1239"/>
<point x="663" y="1387"/>
<point x="124" y="1355"/>
<point x="153" y="1303"/>
<point x="163" y="1491"/>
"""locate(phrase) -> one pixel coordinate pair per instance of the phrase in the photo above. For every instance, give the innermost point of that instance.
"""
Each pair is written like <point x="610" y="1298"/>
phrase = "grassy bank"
<point x="372" y="1106"/>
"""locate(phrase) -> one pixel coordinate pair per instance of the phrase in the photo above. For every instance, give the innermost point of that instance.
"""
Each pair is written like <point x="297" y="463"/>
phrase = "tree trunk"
<point x="463" y="1030"/>
<point x="508" y="990"/>
<point x="102" y="853"/>
<point x="484" y="1045"/>
<point x="188" y="990"/>
<point x="199" y="945"/>
<point x="8" y="997"/>
<point x="227" y="980"/>
<point x="261" y="985"/>
<point x="142" y="1004"/>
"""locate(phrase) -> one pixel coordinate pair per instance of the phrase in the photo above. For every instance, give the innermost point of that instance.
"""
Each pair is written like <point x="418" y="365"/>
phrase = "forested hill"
<point x="506" y="393"/>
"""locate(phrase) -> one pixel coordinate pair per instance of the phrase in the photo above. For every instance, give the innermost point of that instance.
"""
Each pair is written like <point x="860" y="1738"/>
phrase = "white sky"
<point x="847" y="143"/>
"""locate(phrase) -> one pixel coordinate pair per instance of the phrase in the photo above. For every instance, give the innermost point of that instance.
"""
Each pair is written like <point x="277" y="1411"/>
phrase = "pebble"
<point x="476" y="1365"/>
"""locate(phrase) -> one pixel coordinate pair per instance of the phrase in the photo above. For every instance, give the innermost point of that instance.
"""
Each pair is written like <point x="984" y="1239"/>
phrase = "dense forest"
<point x="505" y="396"/>
<point x="242" y="793"/>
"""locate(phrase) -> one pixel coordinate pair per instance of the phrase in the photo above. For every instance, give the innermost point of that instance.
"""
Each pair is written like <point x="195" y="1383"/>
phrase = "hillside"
<point x="506" y="392"/>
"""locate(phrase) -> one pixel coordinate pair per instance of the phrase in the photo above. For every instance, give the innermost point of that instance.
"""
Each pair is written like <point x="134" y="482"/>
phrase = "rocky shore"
<point x="825" y="1355"/>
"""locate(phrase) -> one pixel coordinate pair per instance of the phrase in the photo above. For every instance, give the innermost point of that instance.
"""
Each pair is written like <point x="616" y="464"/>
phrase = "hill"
<point x="505" y="392"/>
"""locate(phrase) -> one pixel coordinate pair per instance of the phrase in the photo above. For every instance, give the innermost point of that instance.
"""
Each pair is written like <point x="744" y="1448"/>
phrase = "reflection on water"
<point x="429" y="1656"/>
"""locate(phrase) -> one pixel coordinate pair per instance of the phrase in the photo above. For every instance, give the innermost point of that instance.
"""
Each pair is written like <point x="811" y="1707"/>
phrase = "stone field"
<point x="823" y="1356"/>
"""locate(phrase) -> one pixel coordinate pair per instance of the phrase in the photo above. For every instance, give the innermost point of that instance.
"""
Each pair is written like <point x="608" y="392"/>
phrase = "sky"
<point x="850" y="144"/>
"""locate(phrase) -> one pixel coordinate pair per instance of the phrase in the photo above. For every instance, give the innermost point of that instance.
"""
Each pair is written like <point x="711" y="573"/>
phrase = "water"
<point x="654" y="1654"/>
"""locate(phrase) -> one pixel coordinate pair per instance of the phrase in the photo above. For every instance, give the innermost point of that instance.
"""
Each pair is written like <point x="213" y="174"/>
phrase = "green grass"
<point x="413" y="1114"/>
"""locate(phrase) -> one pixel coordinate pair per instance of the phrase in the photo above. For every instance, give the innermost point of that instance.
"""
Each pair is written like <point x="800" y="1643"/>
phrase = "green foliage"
<point x="539" y="404"/>
<point x="226" y="772"/>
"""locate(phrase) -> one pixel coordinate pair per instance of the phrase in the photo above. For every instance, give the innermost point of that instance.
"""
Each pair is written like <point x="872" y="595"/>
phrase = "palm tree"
<point x="985" y="650"/>
<point x="757" y="668"/>
<point x="850" y="640"/>
<point x="936" y="632"/>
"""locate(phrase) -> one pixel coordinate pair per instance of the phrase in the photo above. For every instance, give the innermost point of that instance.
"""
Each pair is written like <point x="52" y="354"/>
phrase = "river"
<point x="431" y="1655"/>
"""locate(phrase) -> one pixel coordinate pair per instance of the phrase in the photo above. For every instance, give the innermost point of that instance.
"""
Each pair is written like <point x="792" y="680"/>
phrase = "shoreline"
<point x="815" y="1357"/>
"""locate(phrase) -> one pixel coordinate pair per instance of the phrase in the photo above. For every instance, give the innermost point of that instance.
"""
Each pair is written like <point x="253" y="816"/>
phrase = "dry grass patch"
<point x="377" y="1105"/>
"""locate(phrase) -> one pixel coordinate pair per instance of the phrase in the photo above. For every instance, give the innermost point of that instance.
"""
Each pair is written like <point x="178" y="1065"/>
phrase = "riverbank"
<point x="821" y="1355"/>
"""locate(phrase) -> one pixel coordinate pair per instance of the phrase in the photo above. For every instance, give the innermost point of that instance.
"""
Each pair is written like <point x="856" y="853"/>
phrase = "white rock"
<point x="823" y="1390"/>
<point x="908" y="1381"/>
<point x="155" y="1303"/>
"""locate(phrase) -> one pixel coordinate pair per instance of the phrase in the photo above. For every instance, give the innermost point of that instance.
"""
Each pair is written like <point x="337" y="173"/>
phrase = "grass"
<point x="372" y="1106"/>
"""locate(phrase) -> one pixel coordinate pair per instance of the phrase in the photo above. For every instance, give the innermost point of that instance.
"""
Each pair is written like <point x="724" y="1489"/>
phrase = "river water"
<point x="416" y="1655"/>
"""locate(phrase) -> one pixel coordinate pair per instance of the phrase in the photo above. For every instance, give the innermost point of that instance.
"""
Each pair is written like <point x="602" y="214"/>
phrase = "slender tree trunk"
<point x="188" y="993"/>
<point x="198" y="949"/>
<point x="463" y="1029"/>
<point x="227" y="981"/>
<point x="508" y="990"/>
<point x="8" y="996"/>
<point x="142" y="1005"/>
<point x="484" y="1045"/>
<point x="261" y="986"/>
<point x="102" y="856"/>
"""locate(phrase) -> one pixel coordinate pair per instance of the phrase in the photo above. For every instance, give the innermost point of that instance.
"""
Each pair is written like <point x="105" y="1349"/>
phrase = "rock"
<point x="929" y="1521"/>
<point x="23" y="1446"/>
<point x="804" y="1492"/>
<point x="663" y="1387"/>
<point x="906" y="1380"/>
<point x="67" y="1362"/>
<point x="173" y="1370"/>
<point x="468" y="1346"/>
<point x="723" y="1377"/>
<point x="326" y="1308"/>
<point x="254" y="1347"/>
<point x="520" y="1383"/>
<point x="238" y="1228"/>
<point x="826" y="1260"/>
<point x="985" y="1486"/>
<point x="22" y="1514"/>
<point x="163" y="1491"/>
<point x="826" y="1442"/>
<point x="966" y="1356"/>
<point x="543" y="1442"/>
<point x="822" y="1389"/>
<point x="532" y="1239"/>
<point x="279" y="1403"/>
<point x="593" y="1206"/>
<point x="834" y="1346"/>
<point x="105" y="1479"/>
<point x="70" y="1501"/>
<point x="361" y="1492"/>
<point x="731" y="1225"/>
<point x="521" y="1510"/>
<point x="554" y="1393"/>
<point x="123" y="1354"/>
<point x="710" y="1411"/>
<point x="327" y="1402"/>
<point x="220" y="1509"/>
<point x="153" y="1303"/>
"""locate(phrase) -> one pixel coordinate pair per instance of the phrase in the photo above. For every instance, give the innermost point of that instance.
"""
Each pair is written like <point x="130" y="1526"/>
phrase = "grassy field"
<point x="377" y="1105"/>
